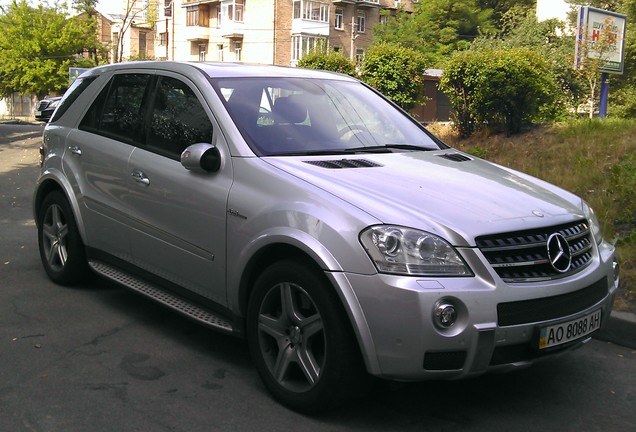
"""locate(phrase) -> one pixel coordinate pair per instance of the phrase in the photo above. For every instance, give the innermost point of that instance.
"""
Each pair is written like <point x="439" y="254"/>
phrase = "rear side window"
<point x="177" y="119"/>
<point x="118" y="111"/>
<point x="76" y="89"/>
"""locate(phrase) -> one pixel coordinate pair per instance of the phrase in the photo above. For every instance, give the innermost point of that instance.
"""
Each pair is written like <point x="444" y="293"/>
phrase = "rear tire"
<point x="61" y="249"/>
<point x="301" y="340"/>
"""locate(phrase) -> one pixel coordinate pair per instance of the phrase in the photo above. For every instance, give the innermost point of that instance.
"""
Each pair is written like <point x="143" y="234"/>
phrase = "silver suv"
<point x="305" y="212"/>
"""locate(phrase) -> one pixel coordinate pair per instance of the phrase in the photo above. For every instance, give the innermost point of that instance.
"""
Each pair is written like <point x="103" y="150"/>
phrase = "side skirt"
<point x="166" y="298"/>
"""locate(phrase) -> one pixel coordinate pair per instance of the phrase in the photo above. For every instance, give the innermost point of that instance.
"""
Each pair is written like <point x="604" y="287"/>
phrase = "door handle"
<point x="75" y="150"/>
<point x="140" y="177"/>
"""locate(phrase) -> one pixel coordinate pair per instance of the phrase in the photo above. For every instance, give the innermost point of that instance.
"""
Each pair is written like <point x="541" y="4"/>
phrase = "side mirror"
<point x="203" y="158"/>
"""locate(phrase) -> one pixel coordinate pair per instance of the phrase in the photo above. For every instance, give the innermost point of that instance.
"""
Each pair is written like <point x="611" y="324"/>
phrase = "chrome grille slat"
<point x="522" y="256"/>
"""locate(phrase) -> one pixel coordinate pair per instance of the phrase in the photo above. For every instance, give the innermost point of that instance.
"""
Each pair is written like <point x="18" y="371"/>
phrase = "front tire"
<point x="61" y="249"/>
<point x="301" y="340"/>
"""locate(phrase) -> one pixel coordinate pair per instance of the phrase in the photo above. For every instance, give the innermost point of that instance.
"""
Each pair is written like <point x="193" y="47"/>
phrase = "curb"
<point x="619" y="329"/>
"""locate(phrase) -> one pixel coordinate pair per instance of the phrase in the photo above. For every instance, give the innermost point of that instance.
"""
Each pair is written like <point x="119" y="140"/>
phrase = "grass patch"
<point x="595" y="159"/>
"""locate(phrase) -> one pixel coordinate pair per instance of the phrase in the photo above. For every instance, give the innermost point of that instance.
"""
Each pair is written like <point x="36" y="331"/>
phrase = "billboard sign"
<point x="601" y="36"/>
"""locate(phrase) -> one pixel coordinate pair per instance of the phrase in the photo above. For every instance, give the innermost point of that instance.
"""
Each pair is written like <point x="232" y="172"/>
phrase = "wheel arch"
<point x="48" y="183"/>
<point x="335" y="280"/>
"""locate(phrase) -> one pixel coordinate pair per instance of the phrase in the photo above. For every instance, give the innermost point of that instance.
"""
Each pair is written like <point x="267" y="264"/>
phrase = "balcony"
<point x="194" y="33"/>
<point x="197" y="2"/>
<point x="304" y="26"/>
<point x="368" y="3"/>
<point x="230" y="30"/>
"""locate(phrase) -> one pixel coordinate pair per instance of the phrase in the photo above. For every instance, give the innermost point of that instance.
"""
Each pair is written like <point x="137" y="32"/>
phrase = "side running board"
<point x="178" y="304"/>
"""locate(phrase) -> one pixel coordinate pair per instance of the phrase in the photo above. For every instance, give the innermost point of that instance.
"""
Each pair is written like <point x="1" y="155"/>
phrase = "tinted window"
<point x="118" y="110"/>
<point x="177" y="119"/>
<point x="71" y="95"/>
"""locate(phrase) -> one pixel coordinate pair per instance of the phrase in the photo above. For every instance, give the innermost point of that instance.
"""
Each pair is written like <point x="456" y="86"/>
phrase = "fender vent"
<point x="455" y="157"/>
<point x="344" y="163"/>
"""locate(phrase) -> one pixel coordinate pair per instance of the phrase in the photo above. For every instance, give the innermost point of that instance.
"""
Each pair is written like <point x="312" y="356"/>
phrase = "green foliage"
<point x="436" y="27"/>
<point x="500" y="89"/>
<point x="328" y="60"/>
<point x="38" y="45"/>
<point x="395" y="71"/>
<point x="547" y="38"/>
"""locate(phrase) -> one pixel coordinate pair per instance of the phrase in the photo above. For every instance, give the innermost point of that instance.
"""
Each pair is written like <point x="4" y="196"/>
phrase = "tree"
<point x="436" y="27"/>
<point x="38" y="45"/>
<point x="133" y="13"/>
<point x="88" y="14"/>
<point x="327" y="60"/>
<point x="395" y="71"/>
<point x="500" y="89"/>
<point x="549" y="38"/>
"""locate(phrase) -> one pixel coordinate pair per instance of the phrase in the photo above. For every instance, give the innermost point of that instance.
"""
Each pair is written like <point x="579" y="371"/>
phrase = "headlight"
<point x="595" y="226"/>
<point x="402" y="250"/>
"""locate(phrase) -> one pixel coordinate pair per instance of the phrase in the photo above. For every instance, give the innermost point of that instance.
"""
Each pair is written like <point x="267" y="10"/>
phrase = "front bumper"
<point x="498" y="324"/>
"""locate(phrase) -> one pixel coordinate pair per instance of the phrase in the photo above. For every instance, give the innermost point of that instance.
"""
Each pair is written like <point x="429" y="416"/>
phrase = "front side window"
<point x="284" y="116"/>
<point x="118" y="111"/>
<point x="177" y="119"/>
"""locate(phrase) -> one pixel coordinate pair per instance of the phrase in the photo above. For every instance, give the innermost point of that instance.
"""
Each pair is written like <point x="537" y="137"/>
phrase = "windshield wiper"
<point x="387" y="148"/>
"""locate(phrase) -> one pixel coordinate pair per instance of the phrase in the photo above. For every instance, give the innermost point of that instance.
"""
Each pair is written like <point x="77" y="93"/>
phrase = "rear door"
<point x="96" y="160"/>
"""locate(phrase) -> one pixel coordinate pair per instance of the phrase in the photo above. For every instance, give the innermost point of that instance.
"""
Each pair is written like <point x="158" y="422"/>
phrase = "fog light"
<point x="445" y="314"/>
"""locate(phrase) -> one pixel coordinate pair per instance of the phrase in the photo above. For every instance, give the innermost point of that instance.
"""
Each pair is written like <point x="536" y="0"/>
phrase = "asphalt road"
<point x="100" y="358"/>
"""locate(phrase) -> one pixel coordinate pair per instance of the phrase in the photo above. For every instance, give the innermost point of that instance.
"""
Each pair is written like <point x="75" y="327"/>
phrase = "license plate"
<point x="37" y="113"/>
<point x="566" y="332"/>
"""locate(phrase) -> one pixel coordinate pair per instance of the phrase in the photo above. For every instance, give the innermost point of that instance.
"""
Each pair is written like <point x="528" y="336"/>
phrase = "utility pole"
<point x="354" y="36"/>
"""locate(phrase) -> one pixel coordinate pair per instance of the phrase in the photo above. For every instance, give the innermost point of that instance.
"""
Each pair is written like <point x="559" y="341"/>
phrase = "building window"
<point x="198" y="16"/>
<point x="311" y="10"/>
<point x="163" y="39"/>
<point x="167" y="8"/>
<point x="339" y="24"/>
<point x="383" y="19"/>
<point x="232" y="11"/>
<point x="302" y="44"/>
<point x="359" y="55"/>
<point x="297" y="4"/>
<point x="219" y="50"/>
<point x="361" y="22"/>
<point x="202" y="50"/>
<point x="238" y="47"/>
<point x="192" y="15"/>
<point x="397" y="3"/>
<point x="142" y="44"/>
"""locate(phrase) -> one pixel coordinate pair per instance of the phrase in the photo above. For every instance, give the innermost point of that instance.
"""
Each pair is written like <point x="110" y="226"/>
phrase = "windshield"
<point x="289" y="116"/>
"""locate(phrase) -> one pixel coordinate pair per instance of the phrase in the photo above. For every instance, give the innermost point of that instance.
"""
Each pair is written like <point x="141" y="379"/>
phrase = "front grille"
<point x="522" y="256"/>
<point x="42" y="105"/>
<point x="548" y="308"/>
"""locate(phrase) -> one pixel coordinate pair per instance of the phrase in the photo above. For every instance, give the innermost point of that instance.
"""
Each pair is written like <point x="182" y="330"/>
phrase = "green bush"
<point x="327" y="60"/>
<point x="500" y="89"/>
<point x="395" y="71"/>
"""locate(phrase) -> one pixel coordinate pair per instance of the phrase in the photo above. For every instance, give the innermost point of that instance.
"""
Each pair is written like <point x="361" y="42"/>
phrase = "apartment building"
<point x="266" y="31"/>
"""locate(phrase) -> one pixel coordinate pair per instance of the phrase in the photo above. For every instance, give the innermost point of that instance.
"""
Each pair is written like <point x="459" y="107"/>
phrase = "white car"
<point x="305" y="212"/>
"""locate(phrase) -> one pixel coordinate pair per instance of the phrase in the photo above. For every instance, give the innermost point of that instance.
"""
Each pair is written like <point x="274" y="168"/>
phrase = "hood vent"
<point x="455" y="157"/>
<point x="344" y="163"/>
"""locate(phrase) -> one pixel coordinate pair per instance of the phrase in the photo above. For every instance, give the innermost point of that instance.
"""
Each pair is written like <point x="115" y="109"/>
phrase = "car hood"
<point x="446" y="192"/>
